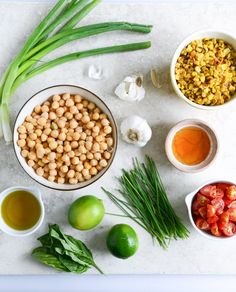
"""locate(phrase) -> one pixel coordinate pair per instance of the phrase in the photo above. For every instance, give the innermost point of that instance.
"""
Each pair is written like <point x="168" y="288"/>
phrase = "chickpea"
<point x="96" y="116"/>
<point x="68" y="115"/>
<point x="96" y="147"/>
<point x="52" y="116"/>
<point x="107" y="155"/>
<point x="96" y="129"/>
<point x="97" y="156"/>
<point x="73" y="124"/>
<point x="38" y="132"/>
<point x="31" y="144"/>
<point x="93" y="171"/>
<point x="52" y="172"/>
<point x="61" y="102"/>
<point x="88" y="145"/>
<point x="67" y="148"/>
<point x="61" y="123"/>
<point x="105" y="122"/>
<point x="52" y="165"/>
<point x="42" y="121"/>
<point x="87" y="165"/>
<point x="94" y="162"/>
<point x="33" y="136"/>
<point x="56" y="97"/>
<point x="99" y="138"/>
<point x="74" y="144"/>
<point x="40" y="171"/>
<point x="22" y="136"/>
<point x="97" y="110"/>
<point x="85" y="119"/>
<point x="71" y="173"/>
<point x="107" y="129"/>
<point x="43" y="115"/>
<point x="79" y="167"/>
<point x="103" y="146"/>
<point x="51" y="178"/>
<point x="73" y="181"/>
<point x="21" y="143"/>
<point x="76" y="136"/>
<point x="109" y="141"/>
<point x="82" y="157"/>
<point x="55" y="105"/>
<point x="61" y="180"/>
<point x="53" y="145"/>
<point x="24" y="153"/>
<point x="60" y="111"/>
<point x="89" y="139"/>
<point x="103" y="163"/>
<point x="28" y="118"/>
<point x="77" y="98"/>
<point x="79" y="130"/>
<point x="89" y="155"/>
<point x="64" y="169"/>
<point x="78" y="116"/>
<point x="83" y="136"/>
<point x="60" y="149"/>
<point x="22" y="130"/>
<point x="85" y="172"/>
<point x="31" y="163"/>
<point x="88" y="132"/>
<point x="71" y="154"/>
<point x="47" y="131"/>
<point x="54" y="133"/>
<point x="40" y="153"/>
<point x="32" y="155"/>
<point x="29" y="127"/>
<point x="51" y="156"/>
<point x="37" y="109"/>
<point x="79" y="106"/>
<point x="65" y="158"/>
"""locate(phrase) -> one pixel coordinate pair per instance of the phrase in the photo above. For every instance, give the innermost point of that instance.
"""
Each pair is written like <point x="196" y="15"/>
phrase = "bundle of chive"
<point x="57" y="29"/>
<point x="145" y="201"/>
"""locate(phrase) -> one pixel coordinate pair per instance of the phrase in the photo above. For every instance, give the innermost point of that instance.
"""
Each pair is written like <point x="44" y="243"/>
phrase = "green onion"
<point x="146" y="202"/>
<point x="56" y="30"/>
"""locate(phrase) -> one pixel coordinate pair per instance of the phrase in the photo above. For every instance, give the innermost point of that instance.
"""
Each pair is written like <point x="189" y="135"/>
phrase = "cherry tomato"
<point x="224" y="219"/>
<point x="231" y="192"/>
<point x="232" y="214"/>
<point x="195" y="207"/>
<point x="232" y="204"/>
<point x="202" y="200"/>
<point x="203" y="212"/>
<point x="212" y="219"/>
<point x="215" y="230"/>
<point x="210" y="211"/>
<point x="222" y="186"/>
<point x="219" y="205"/>
<point x="208" y="191"/>
<point x="227" y="201"/>
<point x="229" y="229"/>
<point x="202" y="224"/>
<point x="219" y="193"/>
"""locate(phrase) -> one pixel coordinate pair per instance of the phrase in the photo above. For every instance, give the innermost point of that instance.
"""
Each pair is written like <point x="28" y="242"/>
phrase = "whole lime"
<point x="122" y="241"/>
<point x="86" y="212"/>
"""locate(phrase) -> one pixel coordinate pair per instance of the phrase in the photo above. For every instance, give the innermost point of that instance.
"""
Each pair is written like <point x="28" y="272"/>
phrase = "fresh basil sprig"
<point x="64" y="252"/>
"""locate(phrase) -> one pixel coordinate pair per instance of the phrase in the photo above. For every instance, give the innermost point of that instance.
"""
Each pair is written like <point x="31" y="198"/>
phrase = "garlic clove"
<point x="95" y="72"/>
<point x="155" y="78"/>
<point x="135" y="130"/>
<point x="131" y="88"/>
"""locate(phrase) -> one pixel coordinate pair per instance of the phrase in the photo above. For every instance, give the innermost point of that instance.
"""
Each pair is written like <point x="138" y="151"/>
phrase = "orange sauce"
<point x="191" y="145"/>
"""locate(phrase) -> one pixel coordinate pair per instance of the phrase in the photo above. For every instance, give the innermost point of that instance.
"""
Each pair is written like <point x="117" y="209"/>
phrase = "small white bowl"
<point x="213" y="150"/>
<point x="196" y="36"/>
<point x="41" y="97"/>
<point x="189" y="199"/>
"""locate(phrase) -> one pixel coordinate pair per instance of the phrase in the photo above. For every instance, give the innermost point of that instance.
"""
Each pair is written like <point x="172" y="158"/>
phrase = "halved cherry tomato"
<point x="219" y="193"/>
<point x="203" y="212"/>
<point x="202" y="224"/>
<point x="210" y="211"/>
<point x="229" y="229"/>
<point x="195" y="207"/>
<point x="212" y="219"/>
<point x="202" y="200"/>
<point x="231" y="192"/>
<point x="208" y="191"/>
<point x="227" y="201"/>
<point x="215" y="230"/>
<point x="222" y="186"/>
<point x="232" y="214"/>
<point x="232" y="204"/>
<point x="219" y="205"/>
<point x="224" y="219"/>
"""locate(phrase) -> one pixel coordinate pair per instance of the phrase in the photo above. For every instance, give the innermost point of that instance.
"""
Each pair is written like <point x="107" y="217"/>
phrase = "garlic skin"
<point x="131" y="88"/>
<point x="95" y="72"/>
<point x="135" y="130"/>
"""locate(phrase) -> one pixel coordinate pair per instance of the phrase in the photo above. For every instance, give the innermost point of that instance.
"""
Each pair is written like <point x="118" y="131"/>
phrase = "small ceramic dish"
<point x="38" y="99"/>
<point x="189" y="199"/>
<point x="195" y="36"/>
<point x="213" y="148"/>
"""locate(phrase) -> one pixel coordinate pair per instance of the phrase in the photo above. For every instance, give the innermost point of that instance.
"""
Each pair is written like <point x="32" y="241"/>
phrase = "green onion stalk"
<point x="57" y="29"/>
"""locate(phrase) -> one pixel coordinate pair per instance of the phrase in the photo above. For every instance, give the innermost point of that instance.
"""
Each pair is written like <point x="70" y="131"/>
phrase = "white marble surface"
<point x="172" y="22"/>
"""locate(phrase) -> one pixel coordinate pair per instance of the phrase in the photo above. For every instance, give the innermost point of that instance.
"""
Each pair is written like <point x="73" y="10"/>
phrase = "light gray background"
<point x="171" y="22"/>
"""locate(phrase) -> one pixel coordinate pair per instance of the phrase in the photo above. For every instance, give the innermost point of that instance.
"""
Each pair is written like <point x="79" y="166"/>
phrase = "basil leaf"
<point x="44" y="256"/>
<point x="72" y="266"/>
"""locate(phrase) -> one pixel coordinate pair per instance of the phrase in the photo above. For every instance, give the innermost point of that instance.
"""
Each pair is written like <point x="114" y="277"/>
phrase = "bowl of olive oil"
<point x="22" y="210"/>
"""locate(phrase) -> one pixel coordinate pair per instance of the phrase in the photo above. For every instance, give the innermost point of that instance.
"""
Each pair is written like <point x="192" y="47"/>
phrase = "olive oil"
<point x="20" y="210"/>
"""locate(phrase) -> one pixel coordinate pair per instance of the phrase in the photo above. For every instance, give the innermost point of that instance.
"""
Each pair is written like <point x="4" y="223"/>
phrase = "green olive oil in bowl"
<point x="20" y="210"/>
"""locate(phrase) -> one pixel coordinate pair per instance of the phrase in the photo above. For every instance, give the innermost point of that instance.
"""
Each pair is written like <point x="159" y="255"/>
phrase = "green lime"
<point x="86" y="212"/>
<point x="122" y="241"/>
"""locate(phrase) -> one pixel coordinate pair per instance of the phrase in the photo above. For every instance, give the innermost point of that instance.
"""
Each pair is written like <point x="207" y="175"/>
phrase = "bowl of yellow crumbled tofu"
<point x="203" y="69"/>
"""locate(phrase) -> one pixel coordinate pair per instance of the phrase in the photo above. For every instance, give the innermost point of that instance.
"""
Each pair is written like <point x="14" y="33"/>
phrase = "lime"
<point x="122" y="241"/>
<point x="86" y="212"/>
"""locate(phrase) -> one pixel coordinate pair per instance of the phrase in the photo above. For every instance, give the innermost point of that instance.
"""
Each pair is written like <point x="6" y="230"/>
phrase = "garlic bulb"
<point x="135" y="130"/>
<point x="131" y="88"/>
<point x="95" y="72"/>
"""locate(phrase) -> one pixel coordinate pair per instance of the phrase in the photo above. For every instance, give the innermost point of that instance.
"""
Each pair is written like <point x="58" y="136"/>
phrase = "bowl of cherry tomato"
<point x="212" y="209"/>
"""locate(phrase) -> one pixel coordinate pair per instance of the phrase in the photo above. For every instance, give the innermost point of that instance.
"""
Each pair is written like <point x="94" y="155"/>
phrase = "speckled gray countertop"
<point x="162" y="108"/>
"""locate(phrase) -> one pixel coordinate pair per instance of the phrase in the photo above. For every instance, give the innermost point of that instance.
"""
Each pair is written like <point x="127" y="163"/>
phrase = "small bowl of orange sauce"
<point x="191" y="145"/>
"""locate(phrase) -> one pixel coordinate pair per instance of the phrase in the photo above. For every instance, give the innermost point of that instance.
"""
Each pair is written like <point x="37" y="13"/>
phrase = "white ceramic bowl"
<point x="189" y="199"/>
<point x="213" y="150"/>
<point x="41" y="97"/>
<point x="195" y="36"/>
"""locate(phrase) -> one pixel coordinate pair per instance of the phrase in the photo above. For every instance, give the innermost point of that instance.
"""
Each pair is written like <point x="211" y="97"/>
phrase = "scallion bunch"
<point x="57" y="29"/>
<point x="146" y="202"/>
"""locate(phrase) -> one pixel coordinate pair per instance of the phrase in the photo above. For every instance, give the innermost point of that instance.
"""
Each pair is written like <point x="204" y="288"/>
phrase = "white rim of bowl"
<point x="187" y="123"/>
<point x="181" y="46"/>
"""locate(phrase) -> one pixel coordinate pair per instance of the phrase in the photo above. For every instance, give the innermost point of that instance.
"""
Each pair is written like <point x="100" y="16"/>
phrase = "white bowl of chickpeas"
<point x="203" y="69"/>
<point x="65" y="137"/>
